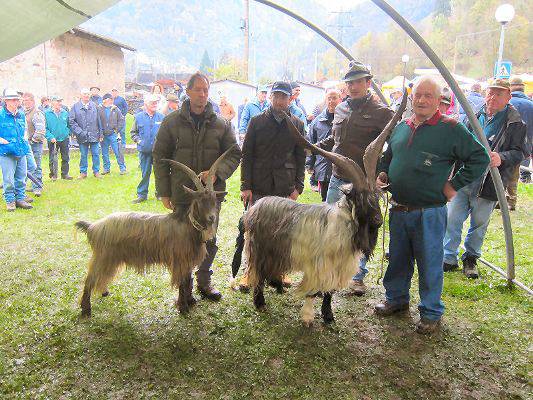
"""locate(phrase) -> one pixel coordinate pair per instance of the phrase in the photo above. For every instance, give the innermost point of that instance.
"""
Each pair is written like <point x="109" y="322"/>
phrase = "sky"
<point x="337" y="5"/>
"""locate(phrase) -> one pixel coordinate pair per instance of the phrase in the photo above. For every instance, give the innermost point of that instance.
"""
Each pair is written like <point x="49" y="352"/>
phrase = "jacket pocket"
<point x="426" y="162"/>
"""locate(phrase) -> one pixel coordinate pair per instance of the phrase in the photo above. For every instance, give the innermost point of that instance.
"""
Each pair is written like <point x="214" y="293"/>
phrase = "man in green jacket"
<point x="417" y="166"/>
<point x="194" y="136"/>
<point x="57" y="135"/>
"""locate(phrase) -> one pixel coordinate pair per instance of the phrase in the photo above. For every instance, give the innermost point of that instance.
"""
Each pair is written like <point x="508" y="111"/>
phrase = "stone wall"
<point x="72" y="62"/>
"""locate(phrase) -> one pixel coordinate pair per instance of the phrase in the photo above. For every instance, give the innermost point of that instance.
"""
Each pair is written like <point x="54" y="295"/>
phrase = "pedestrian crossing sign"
<point x="504" y="70"/>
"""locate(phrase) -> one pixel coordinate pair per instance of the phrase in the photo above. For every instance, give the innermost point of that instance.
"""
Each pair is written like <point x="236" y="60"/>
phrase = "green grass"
<point x="136" y="345"/>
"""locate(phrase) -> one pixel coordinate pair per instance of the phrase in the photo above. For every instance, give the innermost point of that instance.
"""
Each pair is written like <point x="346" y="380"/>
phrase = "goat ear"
<point x="190" y="191"/>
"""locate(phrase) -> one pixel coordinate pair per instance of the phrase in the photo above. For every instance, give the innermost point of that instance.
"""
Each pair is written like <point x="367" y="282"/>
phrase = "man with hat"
<point x="57" y="136"/>
<point x="357" y="122"/>
<point x="83" y="121"/>
<point x="95" y="95"/>
<point x="35" y="127"/>
<point x="173" y="103"/>
<point x="122" y="105"/>
<point x="252" y="109"/>
<point x="272" y="163"/>
<point x="524" y="106"/>
<point x="13" y="151"/>
<point x="111" y="122"/>
<point x="445" y="101"/>
<point x="506" y="134"/>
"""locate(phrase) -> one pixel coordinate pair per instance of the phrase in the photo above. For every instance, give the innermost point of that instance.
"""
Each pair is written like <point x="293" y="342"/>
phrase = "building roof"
<point x="234" y="81"/>
<point x="99" y="38"/>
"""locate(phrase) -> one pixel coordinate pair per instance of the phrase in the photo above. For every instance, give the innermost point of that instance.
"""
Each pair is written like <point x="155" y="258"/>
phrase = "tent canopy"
<point x="395" y="83"/>
<point x="27" y="23"/>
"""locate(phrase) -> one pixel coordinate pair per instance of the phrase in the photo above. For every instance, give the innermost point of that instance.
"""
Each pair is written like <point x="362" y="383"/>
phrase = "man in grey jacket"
<point x="111" y="123"/>
<point x="83" y="122"/>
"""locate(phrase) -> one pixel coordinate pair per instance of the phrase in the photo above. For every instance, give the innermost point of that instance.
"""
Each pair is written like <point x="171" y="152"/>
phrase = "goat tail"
<point x="82" y="226"/>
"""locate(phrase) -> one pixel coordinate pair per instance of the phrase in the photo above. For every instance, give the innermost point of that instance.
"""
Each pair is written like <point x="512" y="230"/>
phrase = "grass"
<point x="136" y="345"/>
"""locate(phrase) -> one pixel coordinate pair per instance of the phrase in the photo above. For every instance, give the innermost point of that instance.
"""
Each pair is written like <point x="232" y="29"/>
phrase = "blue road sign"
<point x="504" y="71"/>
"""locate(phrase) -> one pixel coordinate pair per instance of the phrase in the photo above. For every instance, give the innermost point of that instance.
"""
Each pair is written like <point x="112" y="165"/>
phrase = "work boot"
<point x="67" y="177"/>
<point x="105" y="172"/>
<point x="37" y="192"/>
<point x="209" y="292"/>
<point x="82" y="176"/>
<point x="449" y="267"/>
<point x="139" y="200"/>
<point x="11" y="206"/>
<point x="97" y="175"/>
<point x="426" y="326"/>
<point x="470" y="268"/>
<point x="357" y="287"/>
<point x="28" y="199"/>
<point x="23" y="204"/>
<point x="385" y="309"/>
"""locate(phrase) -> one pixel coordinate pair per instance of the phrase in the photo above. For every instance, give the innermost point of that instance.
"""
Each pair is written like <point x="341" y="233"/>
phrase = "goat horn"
<point x="374" y="149"/>
<point x="347" y="166"/>
<point x="215" y="165"/>
<point x="197" y="182"/>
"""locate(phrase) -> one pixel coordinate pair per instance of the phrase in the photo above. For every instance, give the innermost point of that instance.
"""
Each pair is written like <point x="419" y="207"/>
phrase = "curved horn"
<point x="188" y="171"/>
<point x="215" y="165"/>
<point x="347" y="166"/>
<point x="374" y="149"/>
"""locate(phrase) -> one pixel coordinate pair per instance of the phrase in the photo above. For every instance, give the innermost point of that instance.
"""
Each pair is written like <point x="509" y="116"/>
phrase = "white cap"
<point x="10" y="94"/>
<point x="85" y="91"/>
<point x="149" y="98"/>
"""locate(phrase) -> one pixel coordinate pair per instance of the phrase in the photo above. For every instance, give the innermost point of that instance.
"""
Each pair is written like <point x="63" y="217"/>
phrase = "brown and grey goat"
<point x="323" y="241"/>
<point x="142" y="240"/>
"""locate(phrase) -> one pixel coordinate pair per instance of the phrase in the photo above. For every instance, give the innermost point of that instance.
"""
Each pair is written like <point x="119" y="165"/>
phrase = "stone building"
<point x="64" y="65"/>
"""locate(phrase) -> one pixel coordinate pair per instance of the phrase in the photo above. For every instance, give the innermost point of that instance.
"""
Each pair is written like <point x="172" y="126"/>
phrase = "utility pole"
<point x="246" y="28"/>
<point x="343" y="22"/>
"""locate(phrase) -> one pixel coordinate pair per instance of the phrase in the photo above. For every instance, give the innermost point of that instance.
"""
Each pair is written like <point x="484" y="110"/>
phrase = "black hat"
<point x="356" y="71"/>
<point x="295" y="84"/>
<point x="283" y="87"/>
<point x="107" y="96"/>
<point x="94" y="87"/>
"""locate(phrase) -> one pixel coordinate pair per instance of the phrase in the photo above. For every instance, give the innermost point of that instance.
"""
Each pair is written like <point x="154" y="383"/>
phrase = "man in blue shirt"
<point x="122" y="105"/>
<point x="252" y="109"/>
<point x="13" y="151"/>
<point x="144" y="132"/>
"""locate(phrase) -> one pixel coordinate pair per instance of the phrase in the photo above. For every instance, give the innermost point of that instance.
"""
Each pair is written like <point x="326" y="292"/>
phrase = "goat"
<point x="142" y="240"/>
<point x="323" y="241"/>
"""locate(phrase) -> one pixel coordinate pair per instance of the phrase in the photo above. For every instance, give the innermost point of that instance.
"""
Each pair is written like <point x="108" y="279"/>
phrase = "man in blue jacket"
<point x="13" y="150"/>
<point x="111" y="124"/>
<point x="252" y="109"/>
<point x="122" y="105"/>
<point x="83" y="121"/>
<point x="57" y="136"/>
<point x="144" y="132"/>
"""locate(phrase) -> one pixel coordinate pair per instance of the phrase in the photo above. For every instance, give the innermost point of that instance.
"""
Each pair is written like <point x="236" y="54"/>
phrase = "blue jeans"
<point x="416" y="235"/>
<point x="37" y="150"/>
<point x="333" y="196"/>
<point x="95" y="154"/>
<point x="111" y="141"/>
<point x="14" y="171"/>
<point x="145" y="162"/>
<point x="123" y="137"/>
<point x="467" y="203"/>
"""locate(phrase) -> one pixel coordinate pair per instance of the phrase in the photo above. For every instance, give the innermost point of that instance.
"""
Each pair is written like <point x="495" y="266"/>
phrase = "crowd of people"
<point x="434" y="166"/>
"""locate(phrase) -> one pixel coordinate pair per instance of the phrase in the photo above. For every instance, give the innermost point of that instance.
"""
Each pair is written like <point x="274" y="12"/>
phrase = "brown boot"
<point x="385" y="309"/>
<point x="427" y="326"/>
<point x="28" y="199"/>
<point x="209" y="292"/>
<point x="97" y="175"/>
<point x="357" y="287"/>
<point x="23" y="204"/>
<point x="82" y="176"/>
<point x="11" y="207"/>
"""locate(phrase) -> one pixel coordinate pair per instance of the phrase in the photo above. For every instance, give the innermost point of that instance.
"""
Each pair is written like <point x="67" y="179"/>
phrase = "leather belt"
<point x="401" y="207"/>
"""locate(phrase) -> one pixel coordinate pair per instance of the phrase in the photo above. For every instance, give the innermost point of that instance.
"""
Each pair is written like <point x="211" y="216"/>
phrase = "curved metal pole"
<point x="496" y="178"/>
<point x="322" y="33"/>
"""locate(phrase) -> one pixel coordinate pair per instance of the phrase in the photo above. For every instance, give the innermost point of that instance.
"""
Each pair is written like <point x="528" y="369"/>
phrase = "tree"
<point x="206" y="64"/>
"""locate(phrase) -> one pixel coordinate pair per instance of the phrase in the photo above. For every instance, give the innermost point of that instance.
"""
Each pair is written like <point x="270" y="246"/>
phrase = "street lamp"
<point x="504" y="14"/>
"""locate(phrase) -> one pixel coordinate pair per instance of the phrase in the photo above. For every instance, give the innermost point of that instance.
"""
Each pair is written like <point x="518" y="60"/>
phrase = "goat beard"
<point x="367" y="216"/>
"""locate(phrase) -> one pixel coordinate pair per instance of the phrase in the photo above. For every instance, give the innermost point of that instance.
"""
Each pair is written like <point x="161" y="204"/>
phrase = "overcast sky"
<point x="337" y="5"/>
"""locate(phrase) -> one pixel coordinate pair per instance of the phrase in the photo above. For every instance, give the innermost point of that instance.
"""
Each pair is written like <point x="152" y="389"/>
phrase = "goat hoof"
<point x="191" y="301"/>
<point x="106" y="293"/>
<point x="86" y="313"/>
<point x="183" y="309"/>
<point x="308" y="323"/>
<point x="328" y="319"/>
<point x="261" y="307"/>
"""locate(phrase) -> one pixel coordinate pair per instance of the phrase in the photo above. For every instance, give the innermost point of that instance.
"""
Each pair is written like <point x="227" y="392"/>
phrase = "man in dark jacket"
<point x="358" y="121"/>
<point x="319" y="130"/>
<point x="524" y="106"/>
<point x="195" y="136"/>
<point x="111" y="123"/>
<point x="506" y="134"/>
<point x="418" y="166"/>
<point x="122" y="105"/>
<point x="83" y="122"/>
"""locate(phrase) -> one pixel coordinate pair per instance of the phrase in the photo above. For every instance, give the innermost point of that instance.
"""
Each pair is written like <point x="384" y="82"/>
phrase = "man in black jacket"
<point x="506" y="134"/>
<point x="319" y="130"/>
